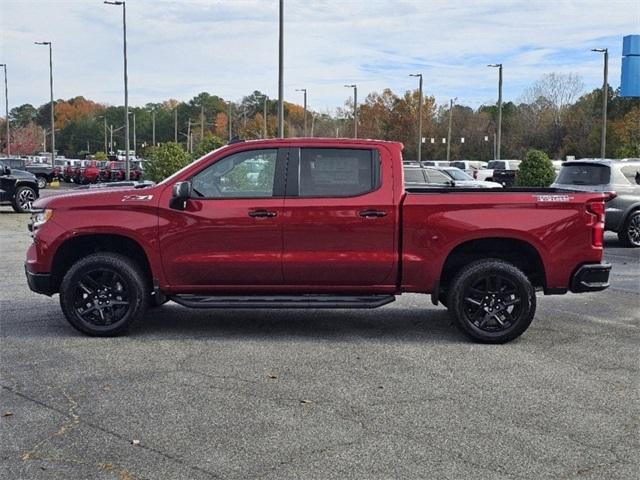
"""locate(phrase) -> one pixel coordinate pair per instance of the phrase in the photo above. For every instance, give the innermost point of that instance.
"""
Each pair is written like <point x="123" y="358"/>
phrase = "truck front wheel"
<point x="492" y="301"/>
<point x="103" y="294"/>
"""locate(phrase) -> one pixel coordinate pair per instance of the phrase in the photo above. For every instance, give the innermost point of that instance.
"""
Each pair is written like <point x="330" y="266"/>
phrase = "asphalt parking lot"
<point x="390" y="393"/>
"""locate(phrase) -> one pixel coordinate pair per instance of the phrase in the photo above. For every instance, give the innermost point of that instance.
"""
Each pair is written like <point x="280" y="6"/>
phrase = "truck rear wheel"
<point x="492" y="301"/>
<point x="103" y="294"/>
<point x="42" y="182"/>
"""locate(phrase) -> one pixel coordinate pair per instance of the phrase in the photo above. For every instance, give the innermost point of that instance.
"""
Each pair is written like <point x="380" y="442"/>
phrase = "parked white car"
<point x="463" y="179"/>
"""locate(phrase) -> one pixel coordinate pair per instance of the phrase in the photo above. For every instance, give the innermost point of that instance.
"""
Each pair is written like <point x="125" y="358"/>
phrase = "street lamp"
<point x="605" y="94"/>
<point x="355" y="109"/>
<point x="305" y="109"/>
<point x="135" y="142"/>
<point x="126" y="87"/>
<point x="6" y="106"/>
<point x="419" y="75"/>
<point x="450" y="125"/>
<point x="264" y="117"/>
<point x="53" y="132"/>
<point x="499" y="66"/>
<point x="281" y="71"/>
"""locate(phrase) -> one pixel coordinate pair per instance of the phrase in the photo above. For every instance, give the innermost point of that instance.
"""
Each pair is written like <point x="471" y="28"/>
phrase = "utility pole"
<point x="313" y="120"/>
<point x="264" y="118"/>
<point x="304" y="90"/>
<point x="126" y="87"/>
<point x="419" y="75"/>
<point x="153" y="127"/>
<point x="175" y="124"/>
<point x="355" y="109"/>
<point x="135" y="140"/>
<point x="106" y="146"/>
<point x="499" y="67"/>
<point x="6" y="107"/>
<point x="229" y="120"/>
<point x="449" y="133"/>
<point x="53" y="128"/>
<point x="605" y="94"/>
<point x="189" y="136"/>
<point x="111" y="139"/>
<point x="201" y="122"/>
<point x="281" y="73"/>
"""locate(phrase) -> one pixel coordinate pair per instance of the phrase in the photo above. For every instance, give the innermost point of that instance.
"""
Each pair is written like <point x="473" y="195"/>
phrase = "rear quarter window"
<point x="583" y="174"/>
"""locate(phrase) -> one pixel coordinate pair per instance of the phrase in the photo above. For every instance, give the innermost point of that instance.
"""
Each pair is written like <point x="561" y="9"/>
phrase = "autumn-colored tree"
<point x="25" y="140"/>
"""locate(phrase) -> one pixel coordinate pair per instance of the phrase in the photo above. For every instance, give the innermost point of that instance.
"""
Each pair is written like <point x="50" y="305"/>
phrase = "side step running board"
<point x="283" y="301"/>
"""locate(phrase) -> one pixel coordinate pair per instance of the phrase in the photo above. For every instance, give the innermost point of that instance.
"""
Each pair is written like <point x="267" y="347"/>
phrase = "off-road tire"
<point x="127" y="274"/>
<point x="475" y="312"/>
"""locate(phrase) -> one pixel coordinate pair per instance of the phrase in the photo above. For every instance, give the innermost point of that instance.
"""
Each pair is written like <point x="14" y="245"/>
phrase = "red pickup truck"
<point x="313" y="223"/>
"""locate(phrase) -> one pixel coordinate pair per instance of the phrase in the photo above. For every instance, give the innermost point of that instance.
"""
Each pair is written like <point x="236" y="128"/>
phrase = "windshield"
<point x="584" y="174"/>
<point x="458" y="175"/>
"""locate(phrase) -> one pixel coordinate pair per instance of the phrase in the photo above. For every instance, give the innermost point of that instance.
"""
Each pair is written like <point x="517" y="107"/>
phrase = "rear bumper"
<point x="591" y="278"/>
<point x="40" y="282"/>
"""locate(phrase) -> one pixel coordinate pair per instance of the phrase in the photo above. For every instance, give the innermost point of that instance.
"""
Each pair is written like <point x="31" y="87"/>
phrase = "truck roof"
<point x="319" y="141"/>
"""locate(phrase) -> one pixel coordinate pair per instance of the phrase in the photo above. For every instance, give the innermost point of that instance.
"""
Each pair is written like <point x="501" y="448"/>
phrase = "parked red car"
<point x="87" y="172"/>
<point x="320" y="223"/>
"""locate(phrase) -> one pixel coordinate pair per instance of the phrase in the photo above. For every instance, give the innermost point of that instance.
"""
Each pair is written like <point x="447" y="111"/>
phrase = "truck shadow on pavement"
<point x="416" y="324"/>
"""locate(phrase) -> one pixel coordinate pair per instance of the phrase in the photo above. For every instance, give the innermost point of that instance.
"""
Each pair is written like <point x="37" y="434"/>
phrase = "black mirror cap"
<point x="182" y="190"/>
<point x="6" y="170"/>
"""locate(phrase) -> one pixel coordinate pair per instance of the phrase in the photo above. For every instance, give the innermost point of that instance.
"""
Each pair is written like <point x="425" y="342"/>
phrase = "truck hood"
<point x="101" y="197"/>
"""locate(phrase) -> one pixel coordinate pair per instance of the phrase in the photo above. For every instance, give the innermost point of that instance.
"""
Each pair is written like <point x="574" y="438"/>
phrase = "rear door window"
<point x="632" y="174"/>
<point x="438" y="177"/>
<point x="584" y="174"/>
<point x="338" y="172"/>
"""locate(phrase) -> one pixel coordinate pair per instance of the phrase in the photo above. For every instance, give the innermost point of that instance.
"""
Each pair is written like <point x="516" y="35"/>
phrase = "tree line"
<point x="553" y="115"/>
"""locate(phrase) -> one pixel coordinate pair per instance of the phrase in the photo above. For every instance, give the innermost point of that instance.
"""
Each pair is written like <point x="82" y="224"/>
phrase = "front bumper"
<point x="591" y="278"/>
<point x="40" y="282"/>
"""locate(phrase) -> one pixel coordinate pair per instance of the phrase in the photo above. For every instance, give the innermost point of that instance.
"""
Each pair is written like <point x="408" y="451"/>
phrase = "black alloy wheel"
<point x="103" y="294"/>
<point x="23" y="201"/>
<point x="629" y="236"/>
<point x="492" y="301"/>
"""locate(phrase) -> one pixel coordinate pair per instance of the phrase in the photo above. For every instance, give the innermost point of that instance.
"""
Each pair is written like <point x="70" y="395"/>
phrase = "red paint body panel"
<point x="319" y="245"/>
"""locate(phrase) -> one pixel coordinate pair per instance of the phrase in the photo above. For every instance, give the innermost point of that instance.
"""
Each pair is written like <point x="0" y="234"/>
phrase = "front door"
<point x="230" y="233"/>
<point x="339" y="221"/>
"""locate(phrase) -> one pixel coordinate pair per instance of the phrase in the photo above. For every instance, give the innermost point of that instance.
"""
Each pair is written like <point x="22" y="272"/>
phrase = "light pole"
<point x="449" y="131"/>
<point x="419" y="75"/>
<point x="304" y="123"/>
<point x="153" y="127"/>
<point x="229" y="118"/>
<point x="53" y="128"/>
<point x="355" y="109"/>
<point x="499" y="66"/>
<point x="201" y="122"/>
<point x="175" y="124"/>
<point x="605" y="94"/>
<point x="264" y="118"/>
<point x="126" y="87"/>
<point x="135" y="142"/>
<point x="6" y="107"/>
<point x="281" y="72"/>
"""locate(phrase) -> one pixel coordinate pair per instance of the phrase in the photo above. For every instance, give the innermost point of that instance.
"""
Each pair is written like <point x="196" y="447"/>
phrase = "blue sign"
<point x="630" y="82"/>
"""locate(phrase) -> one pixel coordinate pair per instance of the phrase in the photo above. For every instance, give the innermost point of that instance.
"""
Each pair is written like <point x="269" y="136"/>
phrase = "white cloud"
<point x="180" y="48"/>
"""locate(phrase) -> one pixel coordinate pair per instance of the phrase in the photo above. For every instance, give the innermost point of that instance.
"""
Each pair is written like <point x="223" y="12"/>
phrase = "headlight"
<point x="39" y="218"/>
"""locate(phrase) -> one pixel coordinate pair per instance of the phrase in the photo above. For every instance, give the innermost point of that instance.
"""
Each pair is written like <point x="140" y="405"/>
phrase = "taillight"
<point x="597" y="208"/>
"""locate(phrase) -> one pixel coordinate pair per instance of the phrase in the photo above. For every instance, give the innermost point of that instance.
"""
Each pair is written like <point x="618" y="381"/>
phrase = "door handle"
<point x="262" y="213"/>
<point x="372" y="213"/>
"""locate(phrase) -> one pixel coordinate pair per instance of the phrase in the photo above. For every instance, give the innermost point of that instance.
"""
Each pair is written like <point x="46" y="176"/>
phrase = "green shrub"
<point x="206" y="145"/>
<point x="536" y="170"/>
<point x="165" y="160"/>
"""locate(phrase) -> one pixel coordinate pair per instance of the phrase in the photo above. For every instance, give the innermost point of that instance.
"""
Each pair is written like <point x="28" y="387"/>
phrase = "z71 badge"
<point x="137" y="198"/>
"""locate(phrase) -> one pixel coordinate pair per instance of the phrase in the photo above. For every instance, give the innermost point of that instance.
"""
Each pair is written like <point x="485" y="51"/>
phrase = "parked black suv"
<point x="17" y="188"/>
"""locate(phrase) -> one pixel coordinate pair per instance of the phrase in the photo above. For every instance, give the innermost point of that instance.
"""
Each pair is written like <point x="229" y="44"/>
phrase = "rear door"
<point x="339" y="222"/>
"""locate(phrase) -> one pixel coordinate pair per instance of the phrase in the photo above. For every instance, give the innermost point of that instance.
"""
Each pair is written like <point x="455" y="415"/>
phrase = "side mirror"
<point x="6" y="170"/>
<point x="181" y="193"/>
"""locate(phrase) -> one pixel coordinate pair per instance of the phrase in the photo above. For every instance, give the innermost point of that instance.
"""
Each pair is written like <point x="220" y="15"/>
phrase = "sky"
<point x="177" y="49"/>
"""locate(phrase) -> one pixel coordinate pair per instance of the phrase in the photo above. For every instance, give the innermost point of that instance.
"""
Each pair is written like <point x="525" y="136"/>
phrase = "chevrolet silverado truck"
<point x="313" y="223"/>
